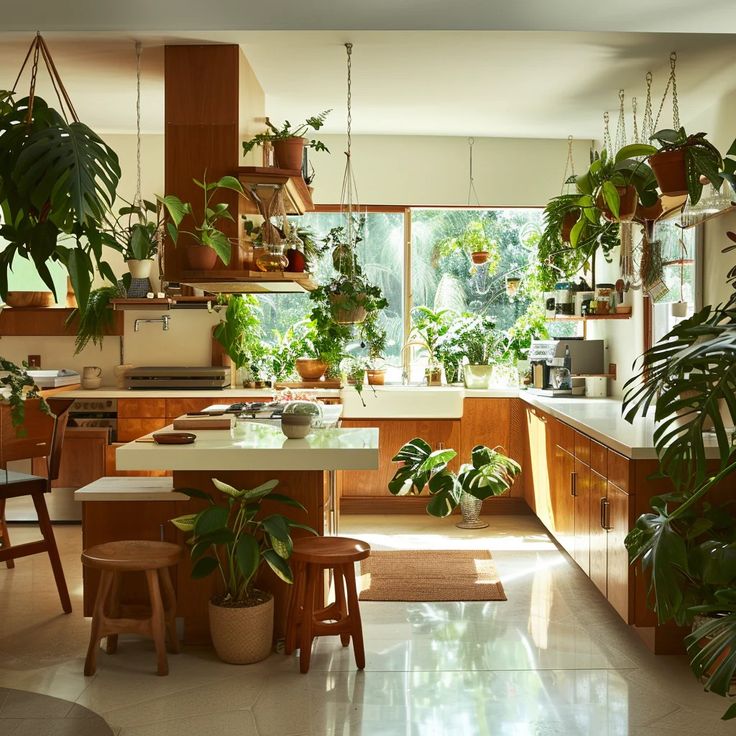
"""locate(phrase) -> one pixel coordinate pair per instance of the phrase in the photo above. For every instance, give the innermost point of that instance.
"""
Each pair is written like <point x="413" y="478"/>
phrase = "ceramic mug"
<point x="91" y="377"/>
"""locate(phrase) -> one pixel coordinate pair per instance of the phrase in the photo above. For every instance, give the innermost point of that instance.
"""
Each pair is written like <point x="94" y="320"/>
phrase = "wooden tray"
<point x="203" y="422"/>
<point x="309" y="384"/>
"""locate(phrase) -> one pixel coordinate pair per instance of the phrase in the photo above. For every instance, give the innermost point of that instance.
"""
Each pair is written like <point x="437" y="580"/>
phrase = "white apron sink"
<point x="403" y="402"/>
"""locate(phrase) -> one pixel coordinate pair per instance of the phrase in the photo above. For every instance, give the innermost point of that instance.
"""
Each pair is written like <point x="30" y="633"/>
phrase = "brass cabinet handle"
<point x="573" y="483"/>
<point x="601" y="514"/>
<point x="605" y="506"/>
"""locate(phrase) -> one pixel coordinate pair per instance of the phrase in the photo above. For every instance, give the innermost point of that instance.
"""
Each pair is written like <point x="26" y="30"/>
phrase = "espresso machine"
<point x="568" y="357"/>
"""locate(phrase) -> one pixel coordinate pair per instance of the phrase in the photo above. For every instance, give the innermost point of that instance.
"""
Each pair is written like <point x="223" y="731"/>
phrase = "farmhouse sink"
<point x="403" y="402"/>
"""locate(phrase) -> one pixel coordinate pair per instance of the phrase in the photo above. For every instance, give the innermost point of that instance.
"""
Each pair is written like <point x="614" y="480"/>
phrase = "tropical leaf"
<point x="712" y="651"/>
<point x="185" y="523"/>
<point x="278" y="565"/>
<point x="203" y="567"/>
<point x="247" y="556"/>
<point x="226" y="488"/>
<point x="211" y="519"/>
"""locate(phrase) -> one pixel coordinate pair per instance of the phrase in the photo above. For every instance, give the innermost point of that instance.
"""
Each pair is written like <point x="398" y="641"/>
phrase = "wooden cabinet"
<point x="537" y="488"/>
<point x="581" y="488"/>
<point x="617" y="522"/>
<point x="82" y="457"/>
<point x="563" y="501"/>
<point x="598" y="540"/>
<point x="141" y="408"/>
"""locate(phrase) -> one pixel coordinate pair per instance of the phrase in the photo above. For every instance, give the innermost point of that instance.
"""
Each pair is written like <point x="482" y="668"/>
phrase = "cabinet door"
<point x="538" y="482"/>
<point x="598" y="535"/>
<point x="392" y="434"/>
<point x="139" y="408"/>
<point x="82" y="457"/>
<point x="563" y="501"/>
<point x="581" y="488"/>
<point x="620" y="577"/>
<point x="133" y="428"/>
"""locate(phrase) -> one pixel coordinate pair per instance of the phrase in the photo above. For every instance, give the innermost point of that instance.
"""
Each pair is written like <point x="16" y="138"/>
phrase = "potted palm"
<point x="428" y="329"/>
<point x="236" y="540"/>
<point x="489" y="473"/>
<point x="289" y="142"/>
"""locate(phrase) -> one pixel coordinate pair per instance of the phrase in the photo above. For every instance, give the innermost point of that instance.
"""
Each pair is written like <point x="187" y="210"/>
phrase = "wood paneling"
<point x="620" y="573"/>
<point x="598" y="542"/>
<point x="581" y="501"/>
<point x="48" y="322"/>
<point x="582" y="447"/>
<point x="141" y="408"/>
<point x="82" y="457"/>
<point x="132" y="429"/>
<point x="563" y="502"/>
<point x="563" y="434"/>
<point x="618" y="470"/>
<point x="599" y="458"/>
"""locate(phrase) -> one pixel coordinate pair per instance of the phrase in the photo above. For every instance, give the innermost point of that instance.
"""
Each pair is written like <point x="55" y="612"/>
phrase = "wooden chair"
<point x="310" y="557"/>
<point x="43" y="437"/>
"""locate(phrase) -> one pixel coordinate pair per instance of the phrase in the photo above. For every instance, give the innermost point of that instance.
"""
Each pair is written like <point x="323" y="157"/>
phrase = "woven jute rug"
<point x="430" y="575"/>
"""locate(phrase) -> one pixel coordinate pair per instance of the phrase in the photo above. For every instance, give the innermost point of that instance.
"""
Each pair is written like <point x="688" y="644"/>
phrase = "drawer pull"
<point x="573" y="484"/>
<point x="605" y="521"/>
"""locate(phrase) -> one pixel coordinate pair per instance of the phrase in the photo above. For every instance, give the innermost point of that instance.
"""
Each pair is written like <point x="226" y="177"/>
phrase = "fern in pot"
<point x="235" y="540"/>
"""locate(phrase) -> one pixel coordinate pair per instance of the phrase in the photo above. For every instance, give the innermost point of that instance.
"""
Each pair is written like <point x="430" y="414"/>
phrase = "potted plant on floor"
<point x="288" y="142"/>
<point x="205" y="241"/>
<point x="17" y="387"/>
<point x="235" y="539"/>
<point x="489" y="473"/>
<point x="686" y="542"/>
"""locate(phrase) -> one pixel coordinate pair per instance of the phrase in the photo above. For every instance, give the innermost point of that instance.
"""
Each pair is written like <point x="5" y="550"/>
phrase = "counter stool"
<point x="310" y="557"/>
<point x="110" y="618"/>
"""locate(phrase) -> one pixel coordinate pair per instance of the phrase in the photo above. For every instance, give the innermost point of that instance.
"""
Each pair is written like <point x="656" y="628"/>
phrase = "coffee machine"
<point x="585" y="357"/>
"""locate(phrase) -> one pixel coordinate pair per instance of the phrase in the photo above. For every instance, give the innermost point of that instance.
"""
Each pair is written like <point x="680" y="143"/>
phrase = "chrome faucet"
<point x="164" y="319"/>
<point x="404" y="370"/>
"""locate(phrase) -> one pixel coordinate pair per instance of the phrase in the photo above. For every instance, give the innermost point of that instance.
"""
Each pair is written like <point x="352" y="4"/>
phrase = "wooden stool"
<point x="310" y="557"/>
<point x="109" y="617"/>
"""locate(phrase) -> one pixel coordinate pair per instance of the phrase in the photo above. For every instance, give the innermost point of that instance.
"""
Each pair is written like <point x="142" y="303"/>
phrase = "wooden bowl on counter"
<point x="26" y="299"/>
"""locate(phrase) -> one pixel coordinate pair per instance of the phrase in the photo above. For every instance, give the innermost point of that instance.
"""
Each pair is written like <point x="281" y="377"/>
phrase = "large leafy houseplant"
<point x="136" y="230"/>
<point x="287" y="131"/>
<point x="489" y="473"/>
<point x="58" y="180"/>
<point x="240" y="334"/>
<point x="16" y="387"/>
<point x="687" y="542"/>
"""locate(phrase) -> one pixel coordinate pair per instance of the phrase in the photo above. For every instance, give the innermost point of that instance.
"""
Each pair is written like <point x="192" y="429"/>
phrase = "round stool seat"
<point x="329" y="550"/>
<point x="135" y="555"/>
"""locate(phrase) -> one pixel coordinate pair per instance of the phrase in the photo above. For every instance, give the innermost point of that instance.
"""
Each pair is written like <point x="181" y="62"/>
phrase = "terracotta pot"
<point x="343" y="315"/>
<point x="289" y="153"/>
<point x="568" y="222"/>
<point x="26" y="299"/>
<point x="310" y="369"/>
<point x="376" y="377"/>
<point x="297" y="261"/>
<point x="629" y="199"/>
<point x="140" y="269"/>
<point x="479" y="257"/>
<point x="242" y="635"/>
<point x="649" y="214"/>
<point x="671" y="171"/>
<point x="200" y="257"/>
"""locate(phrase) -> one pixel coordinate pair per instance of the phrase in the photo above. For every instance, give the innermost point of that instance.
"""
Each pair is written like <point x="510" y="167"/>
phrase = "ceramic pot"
<point x="289" y="153"/>
<point x="479" y="257"/>
<point x="345" y="315"/>
<point x="671" y="172"/>
<point x="568" y="222"/>
<point x="433" y="376"/>
<point x="310" y="369"/>
<point x="26" y="299"/>
<point x="296" y="426"/>
<point x="679" y="309"/>
<point x="477" y="376"/>
<point x="140" y="269"/>
<point x="91" y="377"/>
<point x="376" y="377"/>
<point x="119" y="372"/>
<point x="649" y="214"/>
<point x="242" y="635"/>
<point x="628" y="200"/>
<point x="698" y="621"/>
<point x="200" y="257"/>
<point x="470" y="508"/>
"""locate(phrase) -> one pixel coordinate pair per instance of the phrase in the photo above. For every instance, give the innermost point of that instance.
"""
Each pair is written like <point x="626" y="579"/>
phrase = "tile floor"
<point x="553" y="659"/>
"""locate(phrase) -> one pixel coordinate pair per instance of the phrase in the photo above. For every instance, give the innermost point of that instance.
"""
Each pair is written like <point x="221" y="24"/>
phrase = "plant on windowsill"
<point x="479" y="343"/>
<point x="687" y="543"/>
<point x="475" y="242"/>
<point x="234" y="538"/>
<point x="428" y="329"/>
<point x="374" y="338"/>
<point x="17" y="387"/>
<point x="288" y="142"/>
<point x="205" y="241"/>
<point x="489" y="473"/>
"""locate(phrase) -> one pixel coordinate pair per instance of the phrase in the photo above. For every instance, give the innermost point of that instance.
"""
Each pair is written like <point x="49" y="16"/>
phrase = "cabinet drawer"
<point x="618" y="470"/>
<point x="582" y="447"/>
<point x="599" y="458"/>
<point x="564" y="436"/>
<point x="140" y="408"/>
<point x="132" y="429"/>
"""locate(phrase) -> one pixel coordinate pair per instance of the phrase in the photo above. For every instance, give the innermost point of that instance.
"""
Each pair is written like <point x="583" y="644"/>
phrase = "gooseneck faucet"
<point x="163" y="319"/>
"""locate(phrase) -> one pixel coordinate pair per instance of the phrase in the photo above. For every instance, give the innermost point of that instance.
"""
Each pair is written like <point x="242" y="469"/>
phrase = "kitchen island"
<point x="244" y="457"/>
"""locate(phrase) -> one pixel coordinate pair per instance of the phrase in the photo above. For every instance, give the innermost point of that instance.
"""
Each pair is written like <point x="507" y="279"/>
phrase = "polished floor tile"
<point x="554" y="659"/>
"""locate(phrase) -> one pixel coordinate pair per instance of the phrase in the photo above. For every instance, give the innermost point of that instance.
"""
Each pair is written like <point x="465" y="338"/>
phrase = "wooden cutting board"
<point x="187" y="422"/>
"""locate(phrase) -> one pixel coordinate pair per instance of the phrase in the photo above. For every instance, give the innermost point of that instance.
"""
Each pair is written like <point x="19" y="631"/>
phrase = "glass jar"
<point x="272" y="258"/>
<point x="604" y="295"/>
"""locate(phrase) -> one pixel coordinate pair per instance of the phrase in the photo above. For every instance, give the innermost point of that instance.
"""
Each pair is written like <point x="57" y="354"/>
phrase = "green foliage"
<point x="287" y="131"/>
<point x="473" y="337"/>
<point x="490" y="473"/>
<point x="235" y="537"/>
<point x="19" y="387"/>
<point x="240" y="333"/>
<point x="473" y="239"/>
<point x="205" y="232"/>
<point x="96" y="317"/>
<point x="531" y="325"/>
<point x="132" y="232"/>
<point x="57" y="182"/>
<point x="702" y="158"/>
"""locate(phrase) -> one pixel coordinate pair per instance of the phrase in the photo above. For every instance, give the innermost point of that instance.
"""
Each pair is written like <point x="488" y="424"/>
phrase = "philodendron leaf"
<point x="212" y="518"/>
<point x="247" y="556"/>
<point x="185" y="523"/>
<point x="220" y="243"/>
<point x="230" y="182"/>
<point x="226" y="488"/>
<point x="577" y="231"/>
<point x="279" y="566"/>
<point x="175" y="208"/>
<point x="203" y="567"/>
<point x="635" y="150"/>
<point x="260" y="491"/>
<point x="611" y="197"/>
<point x="277" y="526"/>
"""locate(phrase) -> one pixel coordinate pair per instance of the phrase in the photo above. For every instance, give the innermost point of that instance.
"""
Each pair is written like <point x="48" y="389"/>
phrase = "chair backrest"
<point x="60" y="408"/>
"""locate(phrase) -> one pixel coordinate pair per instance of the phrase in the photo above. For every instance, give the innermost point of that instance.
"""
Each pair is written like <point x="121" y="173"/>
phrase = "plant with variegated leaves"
<point x="236" y="538"/>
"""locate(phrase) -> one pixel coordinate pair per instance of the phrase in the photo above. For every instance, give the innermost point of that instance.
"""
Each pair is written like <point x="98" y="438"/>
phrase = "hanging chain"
<point x="569" y="164"/>
<point x="671" y="82"/>
<point x="349" y="193"/>
<point x="647" y="126"/>
<point x="621" y="125"/>
<point x="635" y="138"/>
<point x="471" y="180"/>
<point x="138" y="198"/>
<point x="606" y="133"/>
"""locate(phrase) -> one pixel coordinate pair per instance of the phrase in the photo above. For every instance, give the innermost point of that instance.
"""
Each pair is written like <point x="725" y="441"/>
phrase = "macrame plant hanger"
<point x="569" y="165"/>
<point x="479" y="282"/>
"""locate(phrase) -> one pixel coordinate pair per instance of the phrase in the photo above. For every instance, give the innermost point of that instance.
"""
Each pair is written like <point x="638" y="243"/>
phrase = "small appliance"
<point x="547" y="356"/>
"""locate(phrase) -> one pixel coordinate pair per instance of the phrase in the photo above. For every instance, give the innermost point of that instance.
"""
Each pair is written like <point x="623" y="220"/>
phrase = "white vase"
<point x="477" y="376"/>
<point x="140" y="269"/>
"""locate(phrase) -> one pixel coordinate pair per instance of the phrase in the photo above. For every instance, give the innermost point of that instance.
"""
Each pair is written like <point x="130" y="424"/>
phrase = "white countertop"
<point x="121" y="488"/>
<point x="253" y="446"/>
<point x="230" y="394"/>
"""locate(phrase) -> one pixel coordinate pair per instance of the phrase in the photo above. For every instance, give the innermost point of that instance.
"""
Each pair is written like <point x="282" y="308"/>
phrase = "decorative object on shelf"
<point x="311" y="369"/>
<point x="288" y="143"/>
<point x="232" y="538"/>
<point x="91" y="377"/>
<point x="490" y="473"/>
<point x="272" y="258"/>
<point x="135" y="289"/>
<point x="119" y="372"/>
<point x="685" y="542"/>
<point x="29" y="299"/>
<point x="17" y="387"/>
<point x="96" y="317"/>
<point x="296" y="261"/>
<point x="41" y="203"/>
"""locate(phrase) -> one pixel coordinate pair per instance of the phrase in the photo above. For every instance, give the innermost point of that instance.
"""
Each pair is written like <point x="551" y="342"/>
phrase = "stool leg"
<point x="354" y="613"/>
<point x="98" y="617"/>
<point x="305" y="650"/>
<point x="158" y="627"/>
<point x="111" y="645"/>
<point x="296" y="603"/>
<point x="4" y="536"/>
<point x="341" y="603"/>
<point x="169" y="608"/>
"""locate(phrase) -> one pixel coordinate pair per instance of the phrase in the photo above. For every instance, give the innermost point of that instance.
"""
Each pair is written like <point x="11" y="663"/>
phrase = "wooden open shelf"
<point x="260" y="183"/>
<point x="249" y="282"/>
<point x="587" y="317"/>
<point x="45" y="322"/>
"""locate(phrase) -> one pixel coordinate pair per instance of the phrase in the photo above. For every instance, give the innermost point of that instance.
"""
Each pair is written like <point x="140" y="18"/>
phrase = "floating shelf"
<point x="587" y="317"/>
<point x="261" y="183"/>
<point x="713" y="216"/>
<point x="172" y="302"/>
<point x="45" y="322"/>
<point x="249" y="282"/>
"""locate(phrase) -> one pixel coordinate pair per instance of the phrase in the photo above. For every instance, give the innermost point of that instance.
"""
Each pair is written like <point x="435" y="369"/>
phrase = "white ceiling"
<point x="481" y="83"/>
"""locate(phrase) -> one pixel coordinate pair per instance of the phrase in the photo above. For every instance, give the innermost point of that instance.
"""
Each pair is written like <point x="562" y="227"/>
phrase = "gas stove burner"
<point x="270" y="410"/>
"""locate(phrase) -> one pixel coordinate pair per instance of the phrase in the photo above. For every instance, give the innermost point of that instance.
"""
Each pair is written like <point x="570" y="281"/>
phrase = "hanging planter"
<point x="346" y="310"/>
<point x="670" y="169"/>
<point x="479" y="257"/>
<point x="568" y="223"/>
<point x="649" y="214"/>
<point x="628" y="201"/>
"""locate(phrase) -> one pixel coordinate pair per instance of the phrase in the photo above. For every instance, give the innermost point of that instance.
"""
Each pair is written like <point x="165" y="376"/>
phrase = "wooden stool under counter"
<point x="311" y="556"/>
<point x="110" y="618"/>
